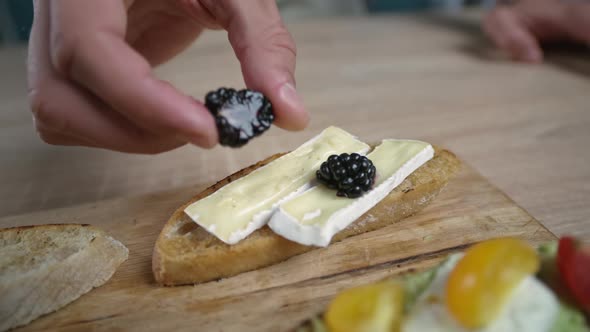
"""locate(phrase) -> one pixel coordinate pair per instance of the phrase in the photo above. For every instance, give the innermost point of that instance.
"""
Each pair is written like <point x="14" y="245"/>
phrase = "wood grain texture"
<point x="276" y="298"/>
<point x="524" y="127"/>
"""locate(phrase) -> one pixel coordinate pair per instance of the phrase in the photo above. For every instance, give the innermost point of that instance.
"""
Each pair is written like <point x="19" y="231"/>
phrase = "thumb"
<point x="266" y="52"/>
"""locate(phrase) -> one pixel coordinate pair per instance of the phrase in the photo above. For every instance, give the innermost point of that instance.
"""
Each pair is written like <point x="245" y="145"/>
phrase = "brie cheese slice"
<point x="241" y="207"/>
<point x="313" y="217"/>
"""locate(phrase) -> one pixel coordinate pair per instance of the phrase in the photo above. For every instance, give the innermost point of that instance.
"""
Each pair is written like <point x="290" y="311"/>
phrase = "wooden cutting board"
<point x="278" y="297"/>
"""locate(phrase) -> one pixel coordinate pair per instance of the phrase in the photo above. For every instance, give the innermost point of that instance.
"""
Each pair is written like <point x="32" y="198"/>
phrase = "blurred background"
<point x="16" y="16"/>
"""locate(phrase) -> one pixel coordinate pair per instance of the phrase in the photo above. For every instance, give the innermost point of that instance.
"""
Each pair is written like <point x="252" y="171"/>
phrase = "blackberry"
<point x="351" y="174"/>
<point x="239" y="115"/>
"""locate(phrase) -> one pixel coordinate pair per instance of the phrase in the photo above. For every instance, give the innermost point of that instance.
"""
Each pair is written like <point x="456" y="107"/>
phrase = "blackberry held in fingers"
<point x="350" y="174"/>
<point x="239" y="115"/>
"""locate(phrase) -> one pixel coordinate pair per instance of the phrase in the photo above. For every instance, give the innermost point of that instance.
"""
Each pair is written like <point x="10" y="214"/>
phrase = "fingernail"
<point x="290" y="96"/>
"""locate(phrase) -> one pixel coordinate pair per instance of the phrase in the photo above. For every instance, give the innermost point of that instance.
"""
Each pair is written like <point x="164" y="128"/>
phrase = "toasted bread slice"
<point x="186" y="253"/>
<point x="43" y="268"/>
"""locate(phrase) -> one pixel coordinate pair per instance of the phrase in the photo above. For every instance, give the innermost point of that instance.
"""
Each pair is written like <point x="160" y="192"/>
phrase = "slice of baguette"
<point x="186" y="253"/>
<point x="43" y="268"/>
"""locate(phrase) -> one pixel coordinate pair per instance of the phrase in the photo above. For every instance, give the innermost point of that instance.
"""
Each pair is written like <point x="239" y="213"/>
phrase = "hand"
<point x="519" y="29"/>
<point x="90" y="70"/>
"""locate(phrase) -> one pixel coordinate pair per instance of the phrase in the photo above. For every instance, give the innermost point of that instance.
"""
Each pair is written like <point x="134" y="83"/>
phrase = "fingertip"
<point x="289" y="108"/>
<point x="203" y="143"/>
<point x="533" y="55"/>
<point x="204" y="133"/>
<point x="526" y="51"/>
<point x="198" y="140"/>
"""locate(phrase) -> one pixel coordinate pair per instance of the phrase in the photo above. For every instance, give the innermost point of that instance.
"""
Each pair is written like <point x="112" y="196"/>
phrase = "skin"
<point x="520" y="29"/>
<point x="90" y="70"/>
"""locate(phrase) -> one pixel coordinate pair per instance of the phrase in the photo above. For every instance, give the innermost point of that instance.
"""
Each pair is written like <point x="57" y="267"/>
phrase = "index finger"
<point x="88" y="44"/>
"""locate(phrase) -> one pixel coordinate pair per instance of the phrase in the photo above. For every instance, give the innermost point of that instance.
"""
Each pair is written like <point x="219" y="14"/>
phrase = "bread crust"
<point x="185" y="253"/>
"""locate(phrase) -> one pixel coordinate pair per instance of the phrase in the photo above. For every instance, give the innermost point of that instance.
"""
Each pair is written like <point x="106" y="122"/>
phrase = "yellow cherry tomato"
<point x="483" y="279"/>
<point x="371" y="308"/>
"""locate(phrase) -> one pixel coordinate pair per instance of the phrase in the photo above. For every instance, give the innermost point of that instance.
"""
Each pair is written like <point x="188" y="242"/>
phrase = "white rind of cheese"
<point x="288" y="226"/>
<point x="531" y="307"/>
<point x="239" y="208"/>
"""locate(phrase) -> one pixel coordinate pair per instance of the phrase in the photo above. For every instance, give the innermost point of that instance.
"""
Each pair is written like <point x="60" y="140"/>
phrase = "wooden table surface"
<point x="524" y="127"/>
